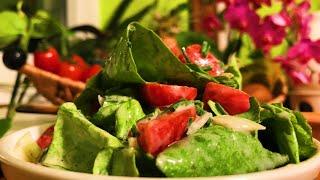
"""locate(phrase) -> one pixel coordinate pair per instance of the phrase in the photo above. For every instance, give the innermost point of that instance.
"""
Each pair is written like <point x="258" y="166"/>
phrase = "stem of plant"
<point x="26" y="85"/>
<point x="12" y="105"/>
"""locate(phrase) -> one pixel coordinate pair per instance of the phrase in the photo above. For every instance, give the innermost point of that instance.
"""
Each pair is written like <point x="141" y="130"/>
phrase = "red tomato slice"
<point x="232" y="100"/>
<point x="47" y="60"/>
<point x="157" y="134"/>
<point x="193" y="52"/>
<point x="159" y="95"/>
<point x="71" y="71"/>
<point x="92" y="71"/>
<point x="46" y="138"/>
<point x="172" y="44"/>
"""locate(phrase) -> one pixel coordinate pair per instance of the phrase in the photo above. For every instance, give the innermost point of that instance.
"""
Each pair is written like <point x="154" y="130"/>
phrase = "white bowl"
<point x="14" y="168"/>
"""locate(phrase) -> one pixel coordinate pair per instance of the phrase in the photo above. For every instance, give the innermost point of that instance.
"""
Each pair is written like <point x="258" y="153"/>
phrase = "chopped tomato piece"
<point x="46" y="138"/>
<point x="157" y="134"/>
<point x="172" y="44"/>
<point x="232" y="100"/>
<point x="159" y="95"/>
<point x="193" y="52"/>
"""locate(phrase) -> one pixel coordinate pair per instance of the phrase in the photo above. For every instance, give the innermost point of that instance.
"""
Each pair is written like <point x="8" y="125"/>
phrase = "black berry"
<point x="14" y="58"/>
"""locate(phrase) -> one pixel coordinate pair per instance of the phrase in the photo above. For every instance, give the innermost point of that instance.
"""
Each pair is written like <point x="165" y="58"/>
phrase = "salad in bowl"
<point x="158" y="111"/>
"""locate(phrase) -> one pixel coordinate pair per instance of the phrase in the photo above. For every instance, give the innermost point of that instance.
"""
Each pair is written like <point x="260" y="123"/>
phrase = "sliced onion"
<point x="198" y="123"/>
<point x="27" y="149"/>
<point x="101" y="100"/>
<point x="237" y="123"/>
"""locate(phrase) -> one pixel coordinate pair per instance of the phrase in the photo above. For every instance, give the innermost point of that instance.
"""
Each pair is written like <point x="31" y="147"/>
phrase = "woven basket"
<point x="55" y="88"/>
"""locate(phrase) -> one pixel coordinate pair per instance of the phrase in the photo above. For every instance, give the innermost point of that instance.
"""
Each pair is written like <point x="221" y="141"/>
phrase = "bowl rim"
<point x="8" y="159"/>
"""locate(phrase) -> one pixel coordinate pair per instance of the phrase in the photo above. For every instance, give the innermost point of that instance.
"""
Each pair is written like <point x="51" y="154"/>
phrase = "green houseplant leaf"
<point x="12" y="26"/>
<point x="43" y="26"/>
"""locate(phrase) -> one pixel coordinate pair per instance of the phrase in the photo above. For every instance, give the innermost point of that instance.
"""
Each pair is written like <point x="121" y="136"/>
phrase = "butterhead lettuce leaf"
<point x="287" y="132"/>
<point x="76" y="141"/>
<point x="215" y="151"/>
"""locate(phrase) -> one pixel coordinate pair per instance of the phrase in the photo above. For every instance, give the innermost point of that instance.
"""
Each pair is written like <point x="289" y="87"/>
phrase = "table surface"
<point x="24" y="120"/>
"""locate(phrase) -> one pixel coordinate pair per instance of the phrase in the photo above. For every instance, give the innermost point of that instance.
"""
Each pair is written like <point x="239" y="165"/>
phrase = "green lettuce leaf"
<point x="118" y="115"/>
<point x="146" y="165"/>
<point x="139" y="57"/>
<point x="304" y="134"/>
<point x="105" y="117"/>
<point x="126" y="117"/>
<point x="124" y="162"/>
<point x="212" y="152"/>
<point x="152" y="56"/>
<point x="216" y="108"/>
<point x="102" y="162"/>
<point x="254" y="111"/>
<point x="235" y="71"/>
<point x="88" y="99"/>
<point x="76" y="141"/>
<point x="281" y="136"/>
<point x="287" y="132"/>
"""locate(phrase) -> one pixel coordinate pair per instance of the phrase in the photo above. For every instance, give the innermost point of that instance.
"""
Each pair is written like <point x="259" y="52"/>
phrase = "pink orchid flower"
<point x="241" y="17"/>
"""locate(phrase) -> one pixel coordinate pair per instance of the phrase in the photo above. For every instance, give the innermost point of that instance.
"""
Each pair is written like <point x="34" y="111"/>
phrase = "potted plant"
<point x="263" y="33"/>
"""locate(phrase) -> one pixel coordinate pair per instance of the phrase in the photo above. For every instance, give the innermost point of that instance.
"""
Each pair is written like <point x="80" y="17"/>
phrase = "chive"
<point x="205" y="48"/>
<point x="185" y="55"/>
<point x="206" y="68"/>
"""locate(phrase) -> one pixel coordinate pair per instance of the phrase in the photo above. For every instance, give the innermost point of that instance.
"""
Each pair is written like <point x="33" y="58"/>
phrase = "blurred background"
<point x="276" y="42"/>
<point x="97" y="13"/>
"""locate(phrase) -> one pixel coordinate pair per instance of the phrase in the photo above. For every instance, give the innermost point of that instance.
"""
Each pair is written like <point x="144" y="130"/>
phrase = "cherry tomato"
<point x="46" y="138"/>
<point x="80" y="62"/>
<point x="71" y="71"/>
<point x="47" y="60"/>
<point x="157" y="134"/>
<point x="232" y="100"/>
<point x="158" y="95"/>
<point x="91" y="71"/>
<point x="193" y="52"/>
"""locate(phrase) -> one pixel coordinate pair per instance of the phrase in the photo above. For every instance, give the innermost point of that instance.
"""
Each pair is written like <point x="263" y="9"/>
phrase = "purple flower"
<point x="297" y="62"/>
<point x="299" y="73"/>
<point x="281" y="19"/>
<point x="234" y="2"/>
<point x="302" y="52"/>
<point x="211" y="23"/>
<point x="258" y="3"/>
<point x="241" y="17"/>
<point x="271" y="32"/>
<point x="299" y="77"/>
<point x="302" y="17"/>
